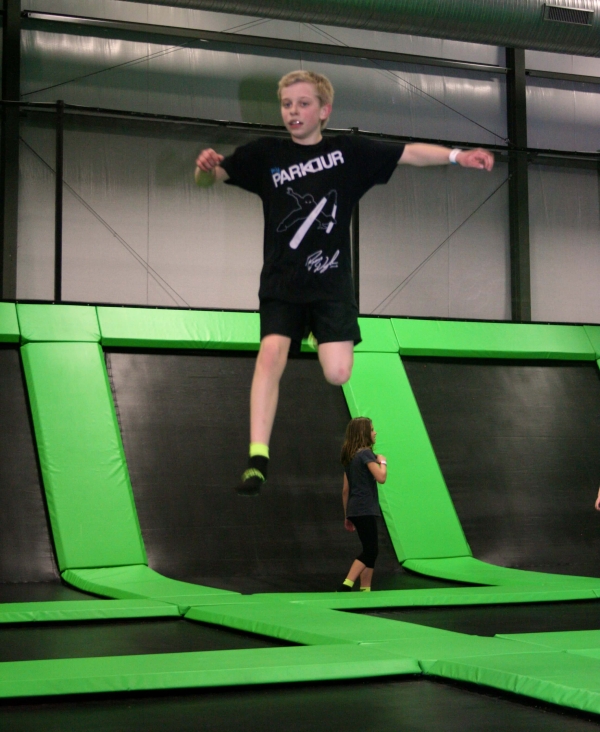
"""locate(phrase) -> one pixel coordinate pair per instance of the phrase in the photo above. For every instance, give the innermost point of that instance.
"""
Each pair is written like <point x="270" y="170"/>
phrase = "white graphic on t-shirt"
<point x="320" y="263"/>
<point x="316" y="165"/>
<point x="308" y="211"/>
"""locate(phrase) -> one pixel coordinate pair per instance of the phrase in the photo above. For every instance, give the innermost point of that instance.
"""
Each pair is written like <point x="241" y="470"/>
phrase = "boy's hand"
<point x="208" y="160"/>
<point x="478" y="158"/>
<point x="348" y="525"/>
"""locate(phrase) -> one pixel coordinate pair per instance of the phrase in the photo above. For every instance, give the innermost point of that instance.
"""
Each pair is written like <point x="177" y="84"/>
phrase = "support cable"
<point x="409" y="85"/>
<point x="387" y="300"/>
<point x="170" y="291"/>
<point x="146" y="57"/>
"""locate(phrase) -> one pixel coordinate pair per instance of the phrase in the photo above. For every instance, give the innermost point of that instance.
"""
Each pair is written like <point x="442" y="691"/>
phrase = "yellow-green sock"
<point x="348" y="583"/>
<point x="259" y="449"/>
<point x="365" y="589"/>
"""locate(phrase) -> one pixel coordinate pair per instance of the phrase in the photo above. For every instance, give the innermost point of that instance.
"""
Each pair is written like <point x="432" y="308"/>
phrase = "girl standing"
<point x="362" y="471"/>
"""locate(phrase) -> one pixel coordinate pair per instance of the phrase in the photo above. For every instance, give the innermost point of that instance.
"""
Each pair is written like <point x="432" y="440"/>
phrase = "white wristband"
<point x="383" y="462"/>
<point x="453" y="155"/>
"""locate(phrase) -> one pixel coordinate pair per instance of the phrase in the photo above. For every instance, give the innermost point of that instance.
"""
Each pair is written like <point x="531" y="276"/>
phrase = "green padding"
<point x="571" y="640"/>
<point x="189" y="670"/>
<point x="436" y="597"/>
<point x="492" y="340"/>
<point x="377" y="336"/>
<point x="418" y="510"/>
<point x="309" y="625"/>
<point x="46" y="612"/>
<point x="9" y="324"/>
<point x="139" y="327"/>
<point x="62" y="323"/>
<point x="143" y="582"/>
<point x="593" y="333"/>
<point x="455" y="645"/>
<point x="587" y="652"/>
<point x="559" y="678"/>
<point x="93" y="517"/>
<point x="468" y="569"/>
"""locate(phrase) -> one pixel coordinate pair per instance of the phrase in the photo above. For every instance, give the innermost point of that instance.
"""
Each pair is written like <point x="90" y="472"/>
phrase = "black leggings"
<point x="366" y="526"/>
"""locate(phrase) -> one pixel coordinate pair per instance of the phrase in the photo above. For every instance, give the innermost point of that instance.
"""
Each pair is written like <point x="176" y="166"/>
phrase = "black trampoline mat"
<point x="184" y="422"/>
<point x="26" y="553"/>
<point x="518" y="443"/>
<point x="490" y="620"/>
<point x="34" y="641"/>
<point x="40" y="592"/>
<point x="389" y="705"/>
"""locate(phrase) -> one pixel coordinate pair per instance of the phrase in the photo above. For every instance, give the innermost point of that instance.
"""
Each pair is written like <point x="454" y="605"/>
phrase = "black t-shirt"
<point x="308" y="194"/>
<point x="363" y="499"/>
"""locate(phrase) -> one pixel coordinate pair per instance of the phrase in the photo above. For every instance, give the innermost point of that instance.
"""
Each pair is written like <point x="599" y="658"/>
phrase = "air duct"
<point x="562" y="26"/>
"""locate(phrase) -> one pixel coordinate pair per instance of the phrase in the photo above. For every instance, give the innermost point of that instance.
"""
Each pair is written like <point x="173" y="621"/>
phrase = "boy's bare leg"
<point x="337" y="359"/>
<point x="270" y="365"/>
<point x="264" y="394"/>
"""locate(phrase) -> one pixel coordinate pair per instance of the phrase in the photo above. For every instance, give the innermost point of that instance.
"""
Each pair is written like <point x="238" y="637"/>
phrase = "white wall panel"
<point x="136" y="196"/>
<point x="216" y="81"/>
<point x="35" y="251"/>
<point x="565" y="244"/>
<point x="403" y="223"/>
<point x="563" y="115"/>
<point x="562" y="63"/>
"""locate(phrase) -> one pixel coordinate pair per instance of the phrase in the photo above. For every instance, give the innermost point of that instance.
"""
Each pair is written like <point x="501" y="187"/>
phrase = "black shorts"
<point x="329" y="321"/>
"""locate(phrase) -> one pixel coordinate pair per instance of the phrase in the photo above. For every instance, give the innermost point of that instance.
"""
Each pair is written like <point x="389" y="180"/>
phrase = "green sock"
<point x="348" y="583"/>
<point x="365" y="589"/>
<point x="259" y="449"/>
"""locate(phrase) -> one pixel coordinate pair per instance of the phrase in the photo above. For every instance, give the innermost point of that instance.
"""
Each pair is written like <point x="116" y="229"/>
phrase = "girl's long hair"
<point x="358" y="437"/>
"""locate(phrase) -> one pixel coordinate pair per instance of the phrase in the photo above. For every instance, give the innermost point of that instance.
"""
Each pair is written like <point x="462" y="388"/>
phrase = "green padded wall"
<point x="492" y="340"/>
<point x="93" y="517"/>
<point x="61" y="323"/>
<point x="378" y="336"/>
<point x="416" y="504"/>
<point x="142" y="328"/>
<point x="204" y="669"/>
<point x="9" y="324"/>
<point x="469" y="569"/>
<point x="593" y="333"/>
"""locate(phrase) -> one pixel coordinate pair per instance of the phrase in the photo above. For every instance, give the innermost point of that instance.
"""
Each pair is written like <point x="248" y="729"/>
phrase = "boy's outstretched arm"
<point x="422" y="154"/>
<point x="208" y="171"/>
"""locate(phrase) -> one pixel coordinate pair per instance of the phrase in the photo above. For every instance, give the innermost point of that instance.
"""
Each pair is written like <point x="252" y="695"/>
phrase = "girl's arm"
<point x="345" y="493"/>
<point x="597" y="504"/>
<point x="379" y="469"/>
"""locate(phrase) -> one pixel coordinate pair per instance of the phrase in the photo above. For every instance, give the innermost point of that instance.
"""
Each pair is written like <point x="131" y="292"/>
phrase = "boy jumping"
<point x="309" y="185"/>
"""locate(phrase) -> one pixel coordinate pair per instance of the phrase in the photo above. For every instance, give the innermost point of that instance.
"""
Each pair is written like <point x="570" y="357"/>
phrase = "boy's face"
<point x="302" y="112"/>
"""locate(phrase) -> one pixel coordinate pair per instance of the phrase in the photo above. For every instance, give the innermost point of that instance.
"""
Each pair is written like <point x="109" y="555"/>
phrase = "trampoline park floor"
<point x="404" y="657"/>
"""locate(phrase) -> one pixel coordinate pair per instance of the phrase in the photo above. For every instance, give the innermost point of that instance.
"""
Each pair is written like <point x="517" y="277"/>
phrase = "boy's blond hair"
<point x="323" y="87"/>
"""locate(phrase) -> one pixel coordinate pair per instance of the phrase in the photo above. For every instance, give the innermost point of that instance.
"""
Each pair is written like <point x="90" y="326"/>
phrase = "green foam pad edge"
<point x="559" y="678"/>
<point x="492" y="340"/>
<point x="193" y="670"/>
<point x="60" y="323"/>
<point x="90" y="501"/>
<point x="143" y="328"/>
<point x="9" y="323"/>
<point x="71" y="610"/>
<point x="140" y="581"/>
<point x="469" y="569"/>
<point x="415" y="501"/>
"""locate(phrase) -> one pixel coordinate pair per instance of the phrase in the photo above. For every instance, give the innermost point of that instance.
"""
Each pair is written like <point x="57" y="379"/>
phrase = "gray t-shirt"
<point x="363" y="499"/>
